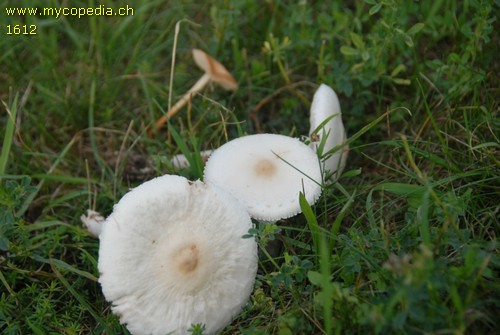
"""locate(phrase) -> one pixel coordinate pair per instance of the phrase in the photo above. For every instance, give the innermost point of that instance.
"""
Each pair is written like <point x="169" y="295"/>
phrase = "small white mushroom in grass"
<point x="93" y="222"/>
<point x="326" y="106"/>
<point x="172" y="255"/>
<point x="266" y="173"/>
<point x="214" y="72"/>
<point x="181" y="162"/>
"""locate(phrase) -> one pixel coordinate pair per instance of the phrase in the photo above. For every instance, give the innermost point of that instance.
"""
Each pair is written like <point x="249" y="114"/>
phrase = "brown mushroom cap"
<point x="214" y="71"/>
<point x="217" y="72"/>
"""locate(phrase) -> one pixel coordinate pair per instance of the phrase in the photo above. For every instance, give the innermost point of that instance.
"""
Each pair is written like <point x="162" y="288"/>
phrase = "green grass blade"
<point x="322" y="279"/>
<point x="311" y="221"/>
<point x="65" y="266"/>
<point x="63" y="179"/>
<point x="34" y="328"/>
<point x="6" y="284"/>
<point x="363" y="130"/>
<point x="91" y="125"/>
<point x="88" y="307"/>
<point x="326" y="285"/>
<point x="47" y="224"/>
<point x="197" y="166"/>
<point x="338" y="220"/>
<point x="58" y="160"/>
<point x="423" y="219"/>
<point x="401" y="189"/>
<point x="194" y="158"/>
<point x="9" y="133"/>
<point x="414" y="193"/>
<point x="369" y="209"/>
<point x="432" y="157"/>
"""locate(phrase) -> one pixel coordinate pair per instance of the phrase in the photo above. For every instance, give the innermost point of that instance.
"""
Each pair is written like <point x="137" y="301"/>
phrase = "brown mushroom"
<point x="214" y="72"/>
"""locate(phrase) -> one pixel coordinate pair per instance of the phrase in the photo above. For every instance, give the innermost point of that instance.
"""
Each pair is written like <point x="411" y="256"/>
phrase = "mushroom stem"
<point x="197" y="87"/>
<point x="181" y="162"/>
<point x="93" y="222"/>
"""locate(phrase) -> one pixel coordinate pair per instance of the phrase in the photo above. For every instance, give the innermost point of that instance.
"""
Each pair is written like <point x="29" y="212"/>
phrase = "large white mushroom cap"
<point x="326" y="106"/>
<point x="266" y="173"/>
<point x="172" y="255"/>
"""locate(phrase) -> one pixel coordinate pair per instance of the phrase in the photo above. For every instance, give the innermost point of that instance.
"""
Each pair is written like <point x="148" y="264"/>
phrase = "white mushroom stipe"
<point x="172" y="255"/>
<point x="266" y="173"/>
<point x="93" y="222"/>
<point x="181" y="162"/>
<point x="325" y="105"/>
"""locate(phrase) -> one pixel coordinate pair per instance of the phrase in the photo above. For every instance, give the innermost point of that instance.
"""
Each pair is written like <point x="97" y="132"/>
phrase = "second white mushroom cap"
<point x="266" y="173"/>
<point x="325" y="112"/>
<point x="172" y="254"/>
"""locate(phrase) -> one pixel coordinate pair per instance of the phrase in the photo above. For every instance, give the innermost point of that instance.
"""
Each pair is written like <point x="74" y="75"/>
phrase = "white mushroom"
<point x="266" y="173"/>
<point x="325" y="105"/>
<point x="214" y="72"/>
<point x="172" y="255"/>
<point x="181" y="162"/>
<point x="92" y="222"/>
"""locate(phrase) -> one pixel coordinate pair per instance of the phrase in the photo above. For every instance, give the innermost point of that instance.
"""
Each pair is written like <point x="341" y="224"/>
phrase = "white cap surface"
<point x="172" y="255"/>
<point x="326" y="105"/>
<point x="266" y="173"/>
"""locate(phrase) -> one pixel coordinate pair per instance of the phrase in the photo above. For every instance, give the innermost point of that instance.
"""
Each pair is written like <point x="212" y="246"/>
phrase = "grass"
<point x="404" y="243"/>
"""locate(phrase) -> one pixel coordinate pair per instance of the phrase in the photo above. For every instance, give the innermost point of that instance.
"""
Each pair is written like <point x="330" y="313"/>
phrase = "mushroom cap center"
<point x="186" y="258"/>
<point x="265" y="168"/>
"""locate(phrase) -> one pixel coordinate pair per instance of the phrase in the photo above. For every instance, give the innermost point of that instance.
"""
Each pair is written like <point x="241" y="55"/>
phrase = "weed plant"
<point x="404" y="243"/>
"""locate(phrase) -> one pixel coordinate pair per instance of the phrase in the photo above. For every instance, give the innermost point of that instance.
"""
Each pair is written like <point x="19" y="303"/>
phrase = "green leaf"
<point x="322" y="143"/>
<point x="408" y="40"/>
<point x="453" y="57"/>
<point x="401" y="189"/>
<point x="365" y="55"/>
<point x="486" y="145"/>
<point x="398" y="69"/>
<point x="351" y="173"/>
<point x="415" y="28"/>
<point x="401" y="81"/>
<point x="348" y="51"/>
<point x="357" y="40"/>
<point x="4" y="243"/>
<point x="375" y="9"/>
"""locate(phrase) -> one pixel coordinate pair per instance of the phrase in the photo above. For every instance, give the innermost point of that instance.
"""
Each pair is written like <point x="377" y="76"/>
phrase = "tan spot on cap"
<point x="186" y="258"/>
<point x="265" y="168"/>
